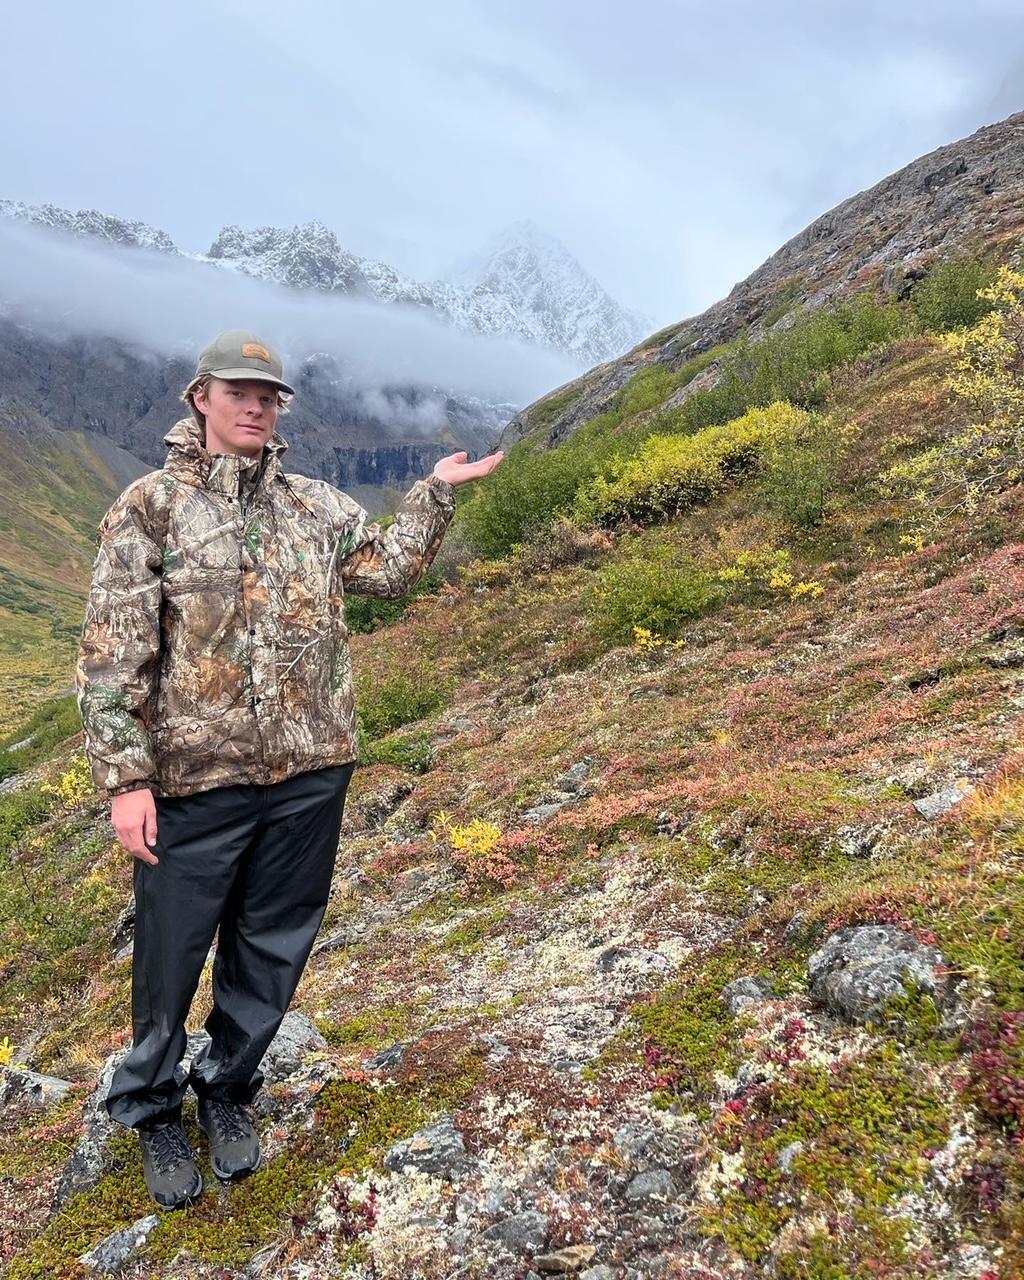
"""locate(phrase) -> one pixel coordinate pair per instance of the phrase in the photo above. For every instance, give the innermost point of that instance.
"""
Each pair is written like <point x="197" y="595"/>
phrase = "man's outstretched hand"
<point x="456" y="470"/>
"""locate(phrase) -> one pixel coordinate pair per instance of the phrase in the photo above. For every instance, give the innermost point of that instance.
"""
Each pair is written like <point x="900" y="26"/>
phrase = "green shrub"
<point x="20" y="811"/>
<point x="413" y="752"/>
<point x="947" y="298"/>
<point x="364" y="614"/>
<point x="795" y="364"/>
<point x="526" y="492"/>
<point x="798" y="468"/>
<point x="651" y="587"/>
<point x="395" y="700"/>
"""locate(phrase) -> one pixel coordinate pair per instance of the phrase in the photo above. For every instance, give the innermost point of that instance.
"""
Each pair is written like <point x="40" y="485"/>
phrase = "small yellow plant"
<point x="645" y="639"/>
<point x="72" y="787"/>
<point x="770" y="567"/>
<point x="812" y="589"/>
<point x="951" y="478"/>
<point x="6" y="1052"/>
<point x="477" y="839"/>
<point x="476" y="853"/>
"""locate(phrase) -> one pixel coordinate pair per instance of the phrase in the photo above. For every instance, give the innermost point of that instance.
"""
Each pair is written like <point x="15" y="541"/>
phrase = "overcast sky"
<point x="672" y="145"/>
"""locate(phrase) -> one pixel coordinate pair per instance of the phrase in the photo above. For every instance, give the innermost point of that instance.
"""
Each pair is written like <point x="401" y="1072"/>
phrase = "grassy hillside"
<point x="54" y="490"/>
<point x="737" y="672"/>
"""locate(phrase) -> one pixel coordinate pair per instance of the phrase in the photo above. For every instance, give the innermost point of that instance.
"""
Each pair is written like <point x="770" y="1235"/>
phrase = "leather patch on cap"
<point x="253" y="351"/>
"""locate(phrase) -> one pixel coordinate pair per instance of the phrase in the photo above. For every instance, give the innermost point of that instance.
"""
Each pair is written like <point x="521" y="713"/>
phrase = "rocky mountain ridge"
<point x="962" y="197"/>
<point x="90" y="222"/>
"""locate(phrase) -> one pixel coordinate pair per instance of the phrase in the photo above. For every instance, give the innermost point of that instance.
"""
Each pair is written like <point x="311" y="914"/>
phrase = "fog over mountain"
<point x="170" y="305"/>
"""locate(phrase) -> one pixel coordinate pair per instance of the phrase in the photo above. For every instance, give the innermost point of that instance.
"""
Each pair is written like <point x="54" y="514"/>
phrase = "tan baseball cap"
<point x="238" y="355"/>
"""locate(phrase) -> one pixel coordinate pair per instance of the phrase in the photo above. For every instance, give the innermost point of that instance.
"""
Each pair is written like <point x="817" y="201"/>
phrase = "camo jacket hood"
<point x="214" y="649"/>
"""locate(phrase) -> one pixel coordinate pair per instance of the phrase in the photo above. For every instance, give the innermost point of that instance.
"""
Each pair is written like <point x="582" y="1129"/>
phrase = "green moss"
<point x="468" y="936"/>
<point x="865" y="1127"/>
<point x="375" y="1028"/>
<point x="685" y="1031"/>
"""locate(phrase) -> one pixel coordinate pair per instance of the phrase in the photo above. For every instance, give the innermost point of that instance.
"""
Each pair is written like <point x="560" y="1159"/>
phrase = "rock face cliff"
<point x="963" y="197"/>
<point x="130" y="398"/>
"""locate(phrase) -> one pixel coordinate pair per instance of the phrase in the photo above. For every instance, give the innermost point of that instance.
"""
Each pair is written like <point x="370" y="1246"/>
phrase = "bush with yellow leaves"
<point x="988" y="376"/>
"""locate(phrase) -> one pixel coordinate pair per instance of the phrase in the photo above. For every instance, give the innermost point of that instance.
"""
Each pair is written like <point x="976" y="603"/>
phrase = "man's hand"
<point x="133" y="814"/>
<point x="456" y="470"/>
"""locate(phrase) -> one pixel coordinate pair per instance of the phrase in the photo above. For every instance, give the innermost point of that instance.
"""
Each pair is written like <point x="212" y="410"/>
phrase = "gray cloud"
<point x="671" y="144"/>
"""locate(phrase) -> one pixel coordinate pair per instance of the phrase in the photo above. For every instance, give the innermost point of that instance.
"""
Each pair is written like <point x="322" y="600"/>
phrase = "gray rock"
<point x="542" y="812"/>
<point x="526" y="1230"/>
<point x="633" y="1142"/>
<point x="112" y="1253"/>
<point x="860" y="841"/>
<point x="575" y="777"/>
<point x="497" y="1200"/>
<point x="387" y="1059"/>
<point x="940" y="802"/>
<point x="744" y="992"/>
<point x="437" y="1149"/>
<point x="653" y="1185"/>
<point x="600" y="1272"/>
<point x="17" y="1084"/>
<point x="859" y="970"/>
<point x="296" y="1038"/>
<point x="797" y="931"/>
<point x="122" y="936"/>
<point x="564" y="1260"/>
<point x="85" y="1167"/>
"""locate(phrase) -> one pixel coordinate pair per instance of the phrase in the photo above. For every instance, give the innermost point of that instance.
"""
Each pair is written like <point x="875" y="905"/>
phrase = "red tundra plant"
<point x="995" y="1081"/>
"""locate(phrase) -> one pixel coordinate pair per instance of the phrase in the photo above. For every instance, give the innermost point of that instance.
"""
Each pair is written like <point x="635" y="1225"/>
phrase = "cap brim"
<point x="251" y="375"/>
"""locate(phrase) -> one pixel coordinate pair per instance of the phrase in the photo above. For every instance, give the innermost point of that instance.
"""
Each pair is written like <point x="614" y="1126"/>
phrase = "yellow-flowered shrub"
<point x="671" y="474"/>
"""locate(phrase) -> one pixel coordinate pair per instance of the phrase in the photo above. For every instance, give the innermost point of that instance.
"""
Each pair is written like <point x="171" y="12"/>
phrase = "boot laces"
<point x="228" y="1119"/>
<point x="169" y="1147"/>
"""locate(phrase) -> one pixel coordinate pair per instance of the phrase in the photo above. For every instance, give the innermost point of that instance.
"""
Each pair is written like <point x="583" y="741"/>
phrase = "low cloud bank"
<point x="172" y="306"/>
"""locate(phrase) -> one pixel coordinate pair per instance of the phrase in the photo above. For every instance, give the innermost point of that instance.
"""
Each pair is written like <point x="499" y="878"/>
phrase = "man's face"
<point x="240" y="416"/>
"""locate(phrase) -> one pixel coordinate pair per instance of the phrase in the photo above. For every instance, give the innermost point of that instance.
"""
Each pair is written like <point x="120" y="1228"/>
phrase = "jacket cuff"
<point x="130" y="786"/>
<point x="442" y="491"/>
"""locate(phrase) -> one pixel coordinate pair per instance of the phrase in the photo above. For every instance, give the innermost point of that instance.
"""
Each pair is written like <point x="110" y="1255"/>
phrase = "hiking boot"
<point x="234" y="1146"/>
<point x="169" y="1164"/>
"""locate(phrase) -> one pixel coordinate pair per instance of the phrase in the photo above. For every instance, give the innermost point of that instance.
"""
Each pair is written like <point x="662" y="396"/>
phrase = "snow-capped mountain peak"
<point x="556" y="301"/>
<point x="90" y="222"/>
<point x="525" y="284"/>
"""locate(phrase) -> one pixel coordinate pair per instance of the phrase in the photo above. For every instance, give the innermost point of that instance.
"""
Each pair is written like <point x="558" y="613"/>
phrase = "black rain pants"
<point x="252" y="864"/>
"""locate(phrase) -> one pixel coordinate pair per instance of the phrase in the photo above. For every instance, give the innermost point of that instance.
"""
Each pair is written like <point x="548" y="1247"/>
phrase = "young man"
<point x="216" y="695"/>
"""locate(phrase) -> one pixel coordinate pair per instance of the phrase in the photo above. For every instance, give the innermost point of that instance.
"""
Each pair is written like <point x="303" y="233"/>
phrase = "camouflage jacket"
<point x="215" y="649"/>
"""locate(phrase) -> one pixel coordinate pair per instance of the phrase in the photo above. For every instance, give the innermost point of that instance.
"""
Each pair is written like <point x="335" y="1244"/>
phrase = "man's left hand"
<point x="456" y="470"/>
